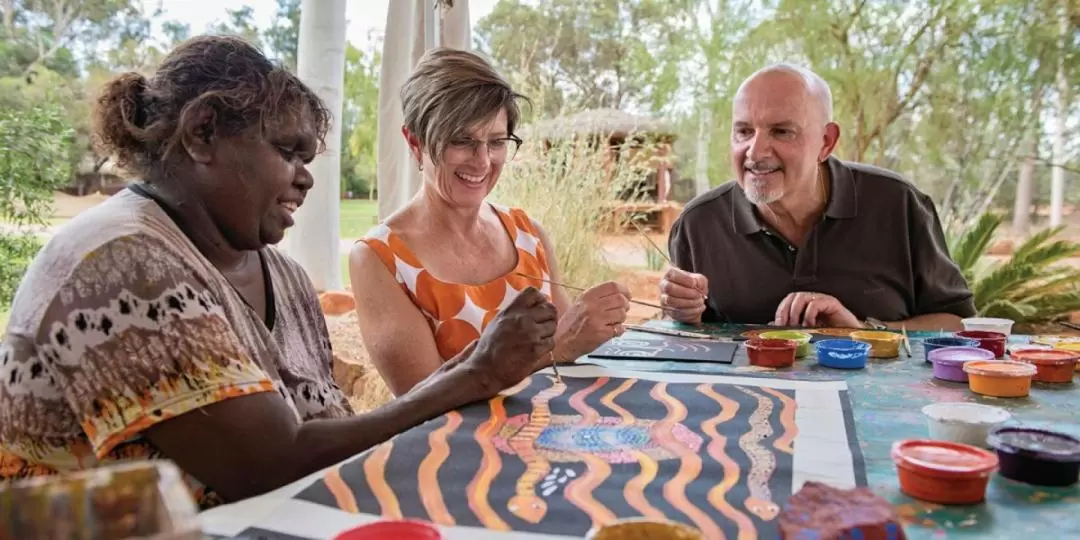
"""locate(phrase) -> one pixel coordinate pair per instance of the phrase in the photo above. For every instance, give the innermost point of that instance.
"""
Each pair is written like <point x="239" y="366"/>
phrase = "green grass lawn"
<point x="358" y="216"/>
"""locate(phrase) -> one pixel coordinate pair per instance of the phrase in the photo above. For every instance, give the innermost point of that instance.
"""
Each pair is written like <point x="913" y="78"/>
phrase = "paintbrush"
<point x="673" y="333"/>
<point x="656" y="247"/>
<point x="653" y="244"/>
<point x="1070" y="325"/>
<point x="555" y="368"/>
<point x="907" y="344"/>
<point x="579" y="289"/>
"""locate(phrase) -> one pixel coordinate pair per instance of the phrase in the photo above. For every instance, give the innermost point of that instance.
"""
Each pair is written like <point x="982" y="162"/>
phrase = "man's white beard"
<point x="762" y="195"/>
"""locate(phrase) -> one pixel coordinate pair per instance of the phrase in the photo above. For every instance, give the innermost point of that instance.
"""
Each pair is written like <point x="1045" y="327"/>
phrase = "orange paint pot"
<point x="1000" y="378"/>
<point x="1052" y="365"/>
<point x="943" y="472"/>
<point x="882" y="344"/>
<point x="774" y="353"/>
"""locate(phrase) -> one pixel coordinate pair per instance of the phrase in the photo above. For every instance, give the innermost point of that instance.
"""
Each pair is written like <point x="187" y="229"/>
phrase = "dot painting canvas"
<point x="718" y="453"/>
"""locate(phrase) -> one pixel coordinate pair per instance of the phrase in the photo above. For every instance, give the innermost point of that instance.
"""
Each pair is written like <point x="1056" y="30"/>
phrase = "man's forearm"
<point x="929" y="322"/>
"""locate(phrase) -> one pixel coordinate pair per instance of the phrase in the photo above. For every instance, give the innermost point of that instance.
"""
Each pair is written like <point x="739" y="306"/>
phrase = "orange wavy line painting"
<point x="563" y="457"/>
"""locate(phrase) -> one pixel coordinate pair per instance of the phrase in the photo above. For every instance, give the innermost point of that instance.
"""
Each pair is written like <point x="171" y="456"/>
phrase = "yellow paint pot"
<point x="644" y="529"/>
<point x="1052" y="339"/>
<point x="882" y="344"/>
<point x="1071" y="346"/>
<point x="1000" y="378"/>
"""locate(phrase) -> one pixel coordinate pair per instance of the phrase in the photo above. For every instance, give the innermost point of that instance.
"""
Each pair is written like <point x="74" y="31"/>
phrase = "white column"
<point x="315" y="239"/>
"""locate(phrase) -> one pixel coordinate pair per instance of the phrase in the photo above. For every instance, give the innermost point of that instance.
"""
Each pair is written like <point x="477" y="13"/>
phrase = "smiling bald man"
<point x="801" y="238"/>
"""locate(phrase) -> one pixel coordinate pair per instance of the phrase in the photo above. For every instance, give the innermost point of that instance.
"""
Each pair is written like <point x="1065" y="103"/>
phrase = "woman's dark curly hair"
<point x="140" y="122"/>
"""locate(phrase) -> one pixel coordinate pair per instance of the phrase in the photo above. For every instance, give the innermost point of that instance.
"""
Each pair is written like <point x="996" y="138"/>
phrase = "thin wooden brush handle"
<point x="579" y="289"/>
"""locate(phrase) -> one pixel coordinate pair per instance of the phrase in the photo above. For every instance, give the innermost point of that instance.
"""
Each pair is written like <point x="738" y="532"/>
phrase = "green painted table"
<point x="887" y="397"/>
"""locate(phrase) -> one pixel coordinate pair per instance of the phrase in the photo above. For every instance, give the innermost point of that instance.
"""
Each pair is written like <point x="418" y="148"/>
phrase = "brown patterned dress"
<point x="121" y="323"/>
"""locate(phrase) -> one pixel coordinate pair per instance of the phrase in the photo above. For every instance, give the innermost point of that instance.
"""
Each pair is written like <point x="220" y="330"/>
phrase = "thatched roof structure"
<point x="611" y="122"/>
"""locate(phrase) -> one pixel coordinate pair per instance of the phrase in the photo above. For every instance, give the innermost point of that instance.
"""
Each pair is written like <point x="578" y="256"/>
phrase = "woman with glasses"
<point x="430" y="278"/>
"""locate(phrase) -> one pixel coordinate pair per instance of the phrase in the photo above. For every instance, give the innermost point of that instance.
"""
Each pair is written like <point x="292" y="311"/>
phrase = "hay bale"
<point x="352" y="367"/>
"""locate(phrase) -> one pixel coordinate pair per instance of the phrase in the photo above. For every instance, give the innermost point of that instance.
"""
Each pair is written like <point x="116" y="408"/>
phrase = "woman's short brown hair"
<point x="449" y="91"/>
<point x="140" y="122"/>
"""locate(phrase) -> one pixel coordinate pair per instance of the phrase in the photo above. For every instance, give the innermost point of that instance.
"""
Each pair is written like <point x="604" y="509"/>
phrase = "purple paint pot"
<point x="1037" y="456"/>
<point x="935" y="343"/>
<point x="949" y="361"/>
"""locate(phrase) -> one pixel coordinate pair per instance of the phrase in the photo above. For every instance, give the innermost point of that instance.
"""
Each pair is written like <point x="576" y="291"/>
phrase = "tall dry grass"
<point x="571" y="189"/>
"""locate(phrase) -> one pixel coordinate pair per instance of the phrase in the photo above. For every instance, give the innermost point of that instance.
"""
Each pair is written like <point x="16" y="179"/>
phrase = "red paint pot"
<point x="774" y="353"/>
<point x="991" y="341"/>
<point x="943" y="472"/>
<point x="1052" y="365"/>
<point x="396" y="529"/>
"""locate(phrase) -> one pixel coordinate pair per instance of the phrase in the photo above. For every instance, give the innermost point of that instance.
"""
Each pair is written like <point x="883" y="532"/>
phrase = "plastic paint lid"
<point x="772" y="344"/>
<point x="1054" y="339"/>
<point x="1000" y="369"/>
<point x="958" y="355"/>
<point x="1040" y="443"/>
<point x="1068" y="345"/>
<point x="966" y="413"/>
<point x="943" y="458"/>
<point x="877" y="335"/>
<point x="1046" y="357"/>
<point x="983" y="334"/>
<point x="399" y="529"/>
<point x="987" y="320"/>
<point x="786" y="334"/>
<point x="842" y="345"/>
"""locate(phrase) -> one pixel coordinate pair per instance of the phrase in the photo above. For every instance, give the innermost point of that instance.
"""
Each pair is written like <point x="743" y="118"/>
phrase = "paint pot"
<point x="1037" y="456"/>
<point x="1071" y="346"/>
<point x="882" y="344"/>
<point x="774" y="353"/>
<point x="1028" y="347"/>
<point x="644" y="529"/>
<point x="1051" y="340"/>
<point x="1052" y="365"/>
<point x="991" y="341"/>
<point x="965" y="423"/>
<point x="949" y="361"/>
<point x="943" y="472"/>
<point x="802" y="338"/>
<point x="1000" y="378"/>
<point x="842" y="353"/>
<point x="930" y="344"/>
<point x="988" y="324"/>
<point x="405" y="529"/>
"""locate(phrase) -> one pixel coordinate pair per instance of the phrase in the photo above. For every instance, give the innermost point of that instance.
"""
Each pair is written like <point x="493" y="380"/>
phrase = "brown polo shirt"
<point x="879" y="249"/>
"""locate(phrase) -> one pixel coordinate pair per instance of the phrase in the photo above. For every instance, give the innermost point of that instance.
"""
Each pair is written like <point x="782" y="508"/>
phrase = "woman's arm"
<point x="396" y="335"/>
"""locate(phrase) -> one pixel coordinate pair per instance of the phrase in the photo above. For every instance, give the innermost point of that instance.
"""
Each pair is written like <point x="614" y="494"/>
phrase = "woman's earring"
<point x="420" y="166"/>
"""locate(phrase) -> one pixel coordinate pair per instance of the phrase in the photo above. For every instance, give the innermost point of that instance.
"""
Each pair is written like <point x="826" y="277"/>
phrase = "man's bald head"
<point x="786" y="74"/>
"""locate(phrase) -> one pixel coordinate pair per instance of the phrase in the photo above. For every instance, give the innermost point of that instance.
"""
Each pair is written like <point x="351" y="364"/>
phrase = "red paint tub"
<point x="397" y="529"/>
<point x="1052" y="365"/>
<point x="991" y="341"/>
<point x="774" y="353"/>
<point x="943" y="472"/>
<point x="1037" y="456"/>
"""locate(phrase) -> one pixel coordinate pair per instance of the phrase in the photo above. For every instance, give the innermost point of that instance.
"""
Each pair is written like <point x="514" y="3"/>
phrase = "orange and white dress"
<point x="458" y="313"/>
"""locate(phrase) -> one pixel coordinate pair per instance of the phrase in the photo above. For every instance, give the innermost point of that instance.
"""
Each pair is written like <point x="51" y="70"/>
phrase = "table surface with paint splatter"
<point x="887" y="398"/>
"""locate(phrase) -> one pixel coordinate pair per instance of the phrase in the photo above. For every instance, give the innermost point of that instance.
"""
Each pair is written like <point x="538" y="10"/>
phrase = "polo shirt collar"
<point x="842" y="200"/>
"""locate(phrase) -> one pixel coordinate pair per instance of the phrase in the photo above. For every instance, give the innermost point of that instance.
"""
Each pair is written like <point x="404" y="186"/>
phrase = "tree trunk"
<point x="1057" y="179"/>
<point x="701" y="169"/>
<point x="314" y="240"/>
<point x="1025" y="182"/>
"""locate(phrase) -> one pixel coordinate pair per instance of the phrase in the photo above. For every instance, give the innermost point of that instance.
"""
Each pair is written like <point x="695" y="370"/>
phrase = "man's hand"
<point x="814" y="309"/>
<point x="682" y="295"/>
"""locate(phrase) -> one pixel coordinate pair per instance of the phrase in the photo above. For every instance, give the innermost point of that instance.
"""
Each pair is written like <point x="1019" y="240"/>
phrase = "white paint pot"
<point x="967" y="423"/>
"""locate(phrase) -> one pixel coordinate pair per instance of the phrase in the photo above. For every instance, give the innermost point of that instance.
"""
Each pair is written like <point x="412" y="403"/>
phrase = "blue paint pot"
<point x="842" y="353"/>
<point x="930" y="344"/>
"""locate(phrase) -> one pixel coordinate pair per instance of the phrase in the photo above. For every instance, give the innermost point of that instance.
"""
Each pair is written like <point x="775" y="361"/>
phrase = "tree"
<point x="284" y="33"/>
<point x="34" y="142"/>
<point x="360" y="118"/>
<point x="605" y="53"/>
<point x="240" y="22"/>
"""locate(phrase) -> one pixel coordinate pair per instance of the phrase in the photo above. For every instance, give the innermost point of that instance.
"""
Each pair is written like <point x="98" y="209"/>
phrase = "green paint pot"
<point x="802" y="338"/>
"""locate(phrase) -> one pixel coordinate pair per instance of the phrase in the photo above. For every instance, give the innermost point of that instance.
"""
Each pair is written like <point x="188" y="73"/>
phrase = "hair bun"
<point x="121" y="117"/>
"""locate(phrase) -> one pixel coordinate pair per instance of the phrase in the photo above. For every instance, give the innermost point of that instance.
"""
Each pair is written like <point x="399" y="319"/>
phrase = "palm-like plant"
<point x="1029" y="287"/>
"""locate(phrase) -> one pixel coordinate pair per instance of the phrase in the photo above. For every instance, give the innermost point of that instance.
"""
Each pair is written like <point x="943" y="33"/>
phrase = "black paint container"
<point x="1036" y="456"/>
